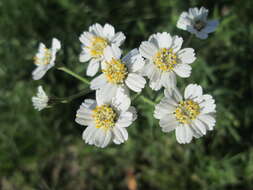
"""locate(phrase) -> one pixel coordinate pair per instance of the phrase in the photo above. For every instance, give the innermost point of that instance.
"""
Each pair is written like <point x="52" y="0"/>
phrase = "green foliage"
<point x="44" y="150"/>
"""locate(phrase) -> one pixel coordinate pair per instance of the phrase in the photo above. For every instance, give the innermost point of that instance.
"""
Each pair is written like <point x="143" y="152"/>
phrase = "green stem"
<point x="150" y="102"/>
<point x="189" y="40"/>
<point x="66" y="70"/>
<point x="70" y="98"/>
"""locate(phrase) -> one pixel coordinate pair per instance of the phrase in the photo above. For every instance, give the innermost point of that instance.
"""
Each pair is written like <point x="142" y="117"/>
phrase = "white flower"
<point x="119" y="73"/>
<point x="191" y="117"/>
<point x="95" y="41"/>
<point x="164" y="58"/>
<point x="45" y="58"/>
<point x="40" y="101"/>
<point x="107" y="120"/>
<point x="195" y="21"/>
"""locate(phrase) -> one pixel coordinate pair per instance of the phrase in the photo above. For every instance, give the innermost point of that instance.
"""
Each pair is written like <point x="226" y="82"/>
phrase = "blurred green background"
<point x="44" y="150"/>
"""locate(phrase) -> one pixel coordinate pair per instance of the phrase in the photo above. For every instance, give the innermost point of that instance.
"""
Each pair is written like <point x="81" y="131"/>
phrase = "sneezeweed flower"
<point x="45" y="58"/>
<point x="40" y="101"/>
<point x="94" y="42"/>
<point x="191" y="117"/>
<point x="195" y="21"/>
<point x="107" y="120"/>
<point x="164" y="59"/>
<point x="119" y="73"/>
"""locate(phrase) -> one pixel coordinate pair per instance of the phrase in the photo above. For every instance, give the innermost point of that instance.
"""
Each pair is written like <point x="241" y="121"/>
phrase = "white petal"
<point x="183" y="70"/>
<point x="155" y="79"/>
<point x="84" y="56"/>
<point x="208" y="120"/>
<point x="98" y="82"/>
<point x="177" y="43"/>
<point x="164" y="40"/>
<point x="97" y="30"/>
<point x="165" y="107"/>
<point x="193" y="91"/>
<point x="135" y="82"/>
<point x="173" y="93"/>
<point x="121" y="101"/>
<point x="118" y="38"/>
<point x="105" y="94"/>
<point x="39" y="72"/>
<point x="184" y="21"/>
<point x="134" y="61"/>
<point x="108" y="31"/>
<point x="86" y="38"/>
<point x="84" y="113"/>
<point x="120" y="134"/>
<point x="147" y="50"/>
<point x="92" y="67"/>
<point x="125" y="119"/>
<point x="199" y="126"/>
<point x="88" y="134"/>
<point x="168" y="80"/>
<point x="186" y="55"/>
<point x="56" y="44"/>
<point x="168" y="123"/>
<point x="112" y="51"/>
<point x="184" y="134"/>
<point x="102" y="137"/>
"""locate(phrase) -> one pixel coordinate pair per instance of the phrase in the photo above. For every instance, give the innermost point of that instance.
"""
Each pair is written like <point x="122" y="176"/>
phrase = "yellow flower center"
<point x="165" y="59"/>
<point x="115" y="71"/>
<point x="186" y="111"/>
<point x="104" y="116"/>
<point x="98" y="45"/>
<point x="45" y="59"/>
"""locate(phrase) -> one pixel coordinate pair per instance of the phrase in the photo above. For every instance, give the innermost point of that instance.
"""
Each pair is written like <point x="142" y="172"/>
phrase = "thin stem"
<point x="189" y="40"/>
<point x="66" y="70"/>
<point x="150" y="102"/>
<point x="72" y="97"/>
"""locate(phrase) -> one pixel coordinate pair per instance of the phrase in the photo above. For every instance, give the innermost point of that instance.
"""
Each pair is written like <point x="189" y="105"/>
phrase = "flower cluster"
<point x="161" y="59"/>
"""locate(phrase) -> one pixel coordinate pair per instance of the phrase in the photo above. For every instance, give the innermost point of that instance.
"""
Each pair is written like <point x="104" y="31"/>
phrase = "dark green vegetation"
<point x="44" y="150"/>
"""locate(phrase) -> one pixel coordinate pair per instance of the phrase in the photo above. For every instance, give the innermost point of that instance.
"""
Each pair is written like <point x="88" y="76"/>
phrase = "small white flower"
<point x="95" y="41"/>
<point x="119" y="73"/>
<point x="191" y="117"/>
<point x="107" y="120"/>
<point x="164" y="58"/>
<point x="195" y="21"/>
<point x="40" y="101"/>
<point x="45" y="58"/>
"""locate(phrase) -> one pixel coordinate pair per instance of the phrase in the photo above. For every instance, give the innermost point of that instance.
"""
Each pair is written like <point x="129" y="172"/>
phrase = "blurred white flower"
<point x="40" y="101"/>
<point x="94" y="42"/>
<point x="107" y="120"/>
<point x="191" y="117"/>
<point x="119" y="73"/>
<point x="45" y="58"/>
<point x="195" y="21"/>
<point x="164" y="59"/>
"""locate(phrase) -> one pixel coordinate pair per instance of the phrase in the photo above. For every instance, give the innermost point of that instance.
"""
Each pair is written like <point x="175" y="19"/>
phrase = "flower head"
<point x="164" y="59"/>
<point x="119" y="73"/>
<point x="95" y="41"/>
<point x="195" y="21"/>
<point x="45" y="58"/>
<point x="106" y="119"/>
<point x="40" y="101"/>
<point x="191" y="116"/>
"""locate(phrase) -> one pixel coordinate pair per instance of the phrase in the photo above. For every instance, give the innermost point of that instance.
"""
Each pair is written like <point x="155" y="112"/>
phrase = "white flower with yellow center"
<point x="191" y="117"/>
<point x="164" y="59"/>
<point x="40" y="101"/>
<point x="107" y="120"/>
<point x="195" y="21"/>
<point x="119" y="73"/>
<point x="94" y="42"/>
<point x="45" y="58"/>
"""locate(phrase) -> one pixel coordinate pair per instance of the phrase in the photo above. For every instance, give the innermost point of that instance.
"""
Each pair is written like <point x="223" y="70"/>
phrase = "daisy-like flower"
<point x="95" y="41"/>
<point x="40" y="101"/>
<point x="45" y="58"/>
<point x="107" y="120"/>
<point x="195" y="21"/>
<point x="191" y="117"/>
<point x="119" y="73"/>
<point x="164" y="59"/>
